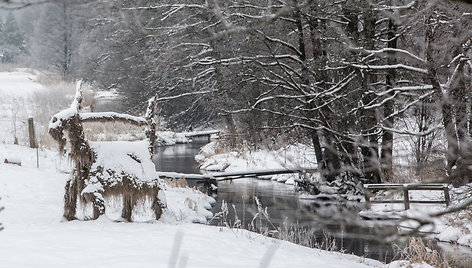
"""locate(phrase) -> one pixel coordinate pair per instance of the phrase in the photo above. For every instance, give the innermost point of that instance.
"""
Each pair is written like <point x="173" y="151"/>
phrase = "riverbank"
<point x="36" y="236"/>
<point x="297" y="156"/>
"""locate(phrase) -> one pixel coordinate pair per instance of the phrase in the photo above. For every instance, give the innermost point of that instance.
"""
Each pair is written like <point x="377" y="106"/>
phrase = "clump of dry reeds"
<point x="103" y="182"/>
<point x="418" y="252"/>
<point x="179" y="183"/>
<point x="113" y="131"/>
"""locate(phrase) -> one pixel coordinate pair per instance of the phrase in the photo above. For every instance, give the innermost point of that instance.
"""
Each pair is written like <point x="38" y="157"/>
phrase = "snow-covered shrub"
<point x="418" y="252"/>
<point x="101" y="169"/>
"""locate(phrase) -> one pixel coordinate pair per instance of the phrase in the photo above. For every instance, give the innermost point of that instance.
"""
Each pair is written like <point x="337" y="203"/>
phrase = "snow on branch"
<point x="187" y="94"/>
<point x="390" y="67"/>
<point x="387" y="7"/>
<point x="391" y="51"/>
<point x="412" y="133"/>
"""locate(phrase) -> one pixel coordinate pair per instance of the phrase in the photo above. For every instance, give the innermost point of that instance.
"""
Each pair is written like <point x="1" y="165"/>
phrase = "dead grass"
<point x="417" y="252"/>
<point x="179" y="183"/>
<point x="113" y="131"/>
<point x="429" y="173"/>
<point x="57" y="95"/>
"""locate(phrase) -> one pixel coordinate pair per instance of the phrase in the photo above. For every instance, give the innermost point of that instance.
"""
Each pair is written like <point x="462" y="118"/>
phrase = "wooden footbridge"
<point x="201" y="135"/>
<point x="405" y="188"/>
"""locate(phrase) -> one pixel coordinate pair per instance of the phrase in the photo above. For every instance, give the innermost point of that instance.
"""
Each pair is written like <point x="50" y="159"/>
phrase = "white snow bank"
<point x="107" y="94"/>
<point x="186" y="205"/>
<point x="35" y="236"/>
<point x="292" y="156"/>
<point x="166" y="138"/>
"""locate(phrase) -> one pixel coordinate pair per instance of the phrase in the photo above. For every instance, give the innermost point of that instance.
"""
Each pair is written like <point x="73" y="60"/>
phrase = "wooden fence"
<point x="404" y="188"/>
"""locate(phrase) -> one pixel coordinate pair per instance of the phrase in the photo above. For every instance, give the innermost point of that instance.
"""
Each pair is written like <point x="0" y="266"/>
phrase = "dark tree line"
<point x="349" y="76"/>
<point x="12" y="40"/>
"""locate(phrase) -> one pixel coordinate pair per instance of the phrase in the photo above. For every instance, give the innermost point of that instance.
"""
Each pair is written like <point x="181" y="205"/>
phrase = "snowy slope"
<point x="16" y="91"/>
<point x="292" y="156"/>
<point x="19" y="84"/>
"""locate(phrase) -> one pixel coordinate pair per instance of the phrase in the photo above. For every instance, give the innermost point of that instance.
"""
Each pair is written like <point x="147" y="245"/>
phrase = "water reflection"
<point x="178" y="158"/>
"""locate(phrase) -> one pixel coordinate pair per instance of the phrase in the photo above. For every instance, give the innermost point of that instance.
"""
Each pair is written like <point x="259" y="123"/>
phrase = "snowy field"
<point x="36" y="236"/>
<point x="16" y="91"/>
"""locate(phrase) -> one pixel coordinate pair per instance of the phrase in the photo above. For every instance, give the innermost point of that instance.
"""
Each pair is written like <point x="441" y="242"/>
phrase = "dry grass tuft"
<point x="179" y="183"/>
<point x="113" y="131"/>
<point x="418" y="252"/>
<point x="57" y="95"/>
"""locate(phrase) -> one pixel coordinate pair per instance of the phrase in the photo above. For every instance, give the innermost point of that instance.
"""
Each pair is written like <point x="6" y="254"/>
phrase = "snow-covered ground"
<point x="16" y="90"/>
<point x="166" y="138"/>
<point x="291" y="157"/>
<point x="35" y="235"/>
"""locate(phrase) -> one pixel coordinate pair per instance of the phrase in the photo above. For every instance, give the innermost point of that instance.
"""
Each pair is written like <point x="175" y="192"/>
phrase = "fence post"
<point x="406" y="198"/>
<point x="32" y="137"/>
<point x="446" y="196"/>
<point x="367" y="200"/>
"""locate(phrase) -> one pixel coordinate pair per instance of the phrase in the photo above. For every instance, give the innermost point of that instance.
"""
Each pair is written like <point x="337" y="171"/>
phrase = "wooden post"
<point x="406" y="198"/>
<point x="32" y="137"/>
<point x="367" y="200"/>
<point x="446" y="196"/>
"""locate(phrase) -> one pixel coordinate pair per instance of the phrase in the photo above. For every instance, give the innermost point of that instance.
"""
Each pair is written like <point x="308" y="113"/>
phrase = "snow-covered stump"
<point x="104" y="170"/>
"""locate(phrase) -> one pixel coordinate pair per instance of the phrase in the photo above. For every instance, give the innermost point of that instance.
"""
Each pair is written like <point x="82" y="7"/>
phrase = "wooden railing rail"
<point x="404" y="188"/>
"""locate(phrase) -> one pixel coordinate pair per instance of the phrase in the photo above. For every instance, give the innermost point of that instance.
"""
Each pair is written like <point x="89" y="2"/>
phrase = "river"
<point x="283" y="207"/>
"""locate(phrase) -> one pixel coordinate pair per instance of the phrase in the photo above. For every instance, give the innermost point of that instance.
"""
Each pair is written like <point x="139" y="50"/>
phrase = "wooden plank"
<point x="255" y="173"/>
<point x="409" y="187"/>
<point x="410" y="201"/>
<point x="234" y="175"/>
<point x="440" y="186"/>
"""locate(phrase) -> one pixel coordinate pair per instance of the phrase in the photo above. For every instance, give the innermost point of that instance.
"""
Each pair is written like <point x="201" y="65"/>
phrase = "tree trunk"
<point x="369" y="148"/>
<point x="387" y="136"/>
<point x="446" y="108"/>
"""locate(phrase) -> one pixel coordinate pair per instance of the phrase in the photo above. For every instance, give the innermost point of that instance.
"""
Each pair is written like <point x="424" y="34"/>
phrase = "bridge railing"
<point x="405" y="188"/>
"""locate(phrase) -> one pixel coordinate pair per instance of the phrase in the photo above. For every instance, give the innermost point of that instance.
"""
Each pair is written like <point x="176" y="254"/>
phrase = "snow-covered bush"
<point x="101" y="169"/>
